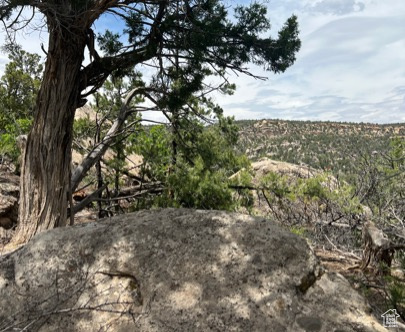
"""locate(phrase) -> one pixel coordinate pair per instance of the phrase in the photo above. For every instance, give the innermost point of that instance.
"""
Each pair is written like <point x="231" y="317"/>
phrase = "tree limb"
<point x="100" y="148"/>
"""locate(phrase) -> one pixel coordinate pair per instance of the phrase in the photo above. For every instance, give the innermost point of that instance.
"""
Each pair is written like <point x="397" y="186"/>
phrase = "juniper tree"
<point x="18" y="88"/>
<point x="154" y="33"/>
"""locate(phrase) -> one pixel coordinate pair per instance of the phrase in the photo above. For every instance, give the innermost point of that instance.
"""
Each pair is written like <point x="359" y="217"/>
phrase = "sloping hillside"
<point x="323" y="145"/>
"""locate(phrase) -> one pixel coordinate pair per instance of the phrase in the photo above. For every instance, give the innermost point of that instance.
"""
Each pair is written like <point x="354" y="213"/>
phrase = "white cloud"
<point x="30" y="38"/>
<point x="350" y="67"/>
<point x="336" y="7"/>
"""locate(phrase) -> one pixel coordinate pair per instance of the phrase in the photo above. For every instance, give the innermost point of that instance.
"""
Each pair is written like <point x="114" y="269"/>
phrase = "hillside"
<point x="336" y="222"/>
<point x="331" y="146"/>
<point x="304" y="200"/>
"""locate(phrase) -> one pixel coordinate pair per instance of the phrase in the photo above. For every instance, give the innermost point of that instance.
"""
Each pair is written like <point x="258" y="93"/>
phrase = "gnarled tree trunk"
<point x="377" y="252"/>
<point x="45" y="177"/>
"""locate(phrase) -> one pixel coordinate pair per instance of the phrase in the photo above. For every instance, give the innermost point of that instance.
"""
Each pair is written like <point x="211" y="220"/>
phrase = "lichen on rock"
<point x="175" y="270"/>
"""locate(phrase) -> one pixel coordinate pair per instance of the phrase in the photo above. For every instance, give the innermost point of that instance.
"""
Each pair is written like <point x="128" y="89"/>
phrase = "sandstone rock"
<point x="175" y="270"/>
<point x="265" y="166"/>
<point x="317" y="216"/>
<point x="9" y="192"/>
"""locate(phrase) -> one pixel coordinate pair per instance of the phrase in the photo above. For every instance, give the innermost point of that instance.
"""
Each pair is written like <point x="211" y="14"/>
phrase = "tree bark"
<point x="45" y="177"/>
<point x="377" y="252"/>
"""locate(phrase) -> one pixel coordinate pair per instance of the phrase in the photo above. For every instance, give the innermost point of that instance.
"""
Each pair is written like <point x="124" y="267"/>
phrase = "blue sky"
<point x="351" y="66"/>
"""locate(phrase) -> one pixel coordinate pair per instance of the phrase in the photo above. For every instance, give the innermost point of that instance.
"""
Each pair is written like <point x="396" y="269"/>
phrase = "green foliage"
<point x="83" y="128"/>
<point x="184" y="155"/>
<point x="8" y="143"/>
<point x="397" y="294"/>
<point x="190" y="161"/>
<point x="315" y="188"/>
<point x="320" y="196"/>
<point x="297" y="230"/>
<point x="381" y="183"/>
<point x="198" y="187"/>
<point x="153" y="144"/>
<point x="278" y="185"/>
<point x="398" y="150"/>
<point x="18" y="88"/>
<point x="201" y="176"/>
<point x="19" y="85"/>
<point x="109" y="42"/>
<point x="335" y="147"/>
<point x="197" y="41"/>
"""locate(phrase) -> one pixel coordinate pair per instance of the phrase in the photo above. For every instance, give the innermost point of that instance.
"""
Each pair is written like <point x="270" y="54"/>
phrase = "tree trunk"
<point x="45" y="176"/>
<point x="377" y="252"/>
<point x="100" y="183"/>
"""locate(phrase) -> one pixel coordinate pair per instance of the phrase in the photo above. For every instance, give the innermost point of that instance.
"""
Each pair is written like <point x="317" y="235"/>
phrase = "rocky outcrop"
<point x="265" y="166"/>
<point x="175" y="270"/>
<point x="9" y="192"/>
<point x="282" y="198"/>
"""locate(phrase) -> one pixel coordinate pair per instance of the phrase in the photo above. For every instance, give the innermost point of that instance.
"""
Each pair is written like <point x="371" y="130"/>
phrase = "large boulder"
<point x="266" y="165"/>
<point x="175" y="270"/>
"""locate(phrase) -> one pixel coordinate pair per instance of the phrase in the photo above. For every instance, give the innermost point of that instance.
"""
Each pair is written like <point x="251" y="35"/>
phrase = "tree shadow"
<point x="161" y="270"/>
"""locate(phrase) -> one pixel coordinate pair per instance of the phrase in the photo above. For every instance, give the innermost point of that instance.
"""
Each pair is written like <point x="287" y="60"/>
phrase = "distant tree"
<point x="107" y="109"/>
<point x="308" y="200"/>
<point x="19" y="86"/>
<point x="155" y="32"/>
<point x="195" y="173"/>
<point x="381" y="182"/>
<point x="206" y="160"/>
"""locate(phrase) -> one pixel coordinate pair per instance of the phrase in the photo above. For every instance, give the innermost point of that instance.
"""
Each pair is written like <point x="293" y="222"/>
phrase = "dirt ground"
<point x="370" y="286"/>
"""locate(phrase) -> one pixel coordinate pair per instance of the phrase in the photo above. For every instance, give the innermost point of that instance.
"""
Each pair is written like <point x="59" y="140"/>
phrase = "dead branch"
<point x="377" y="250"/>
<point x="100" y="148"/>
<point x="85" y="202"/>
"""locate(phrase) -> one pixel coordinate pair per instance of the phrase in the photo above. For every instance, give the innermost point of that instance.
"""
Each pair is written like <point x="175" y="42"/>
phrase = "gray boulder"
<point x="9" y="193"/>
<point x="175" y="270"/>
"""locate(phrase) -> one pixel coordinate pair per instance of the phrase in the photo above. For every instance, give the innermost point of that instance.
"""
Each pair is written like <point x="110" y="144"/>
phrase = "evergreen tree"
<point x="18" y="88"/>
<point x="156" y="32"/>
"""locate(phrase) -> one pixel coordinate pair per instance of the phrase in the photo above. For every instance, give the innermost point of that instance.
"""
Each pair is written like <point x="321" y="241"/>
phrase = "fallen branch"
<point x="85" y="202"/>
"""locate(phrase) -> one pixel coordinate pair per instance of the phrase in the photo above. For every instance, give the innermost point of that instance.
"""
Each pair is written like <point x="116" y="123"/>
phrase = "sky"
<point x="351" y="66"/>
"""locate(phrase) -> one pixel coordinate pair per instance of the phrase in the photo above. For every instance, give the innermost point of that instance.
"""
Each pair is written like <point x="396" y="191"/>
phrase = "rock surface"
<point x="318" y="217"/>
<point x="9" y="192"/>
<point x="265" y="166"/>
<point x="175" y="270"/>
